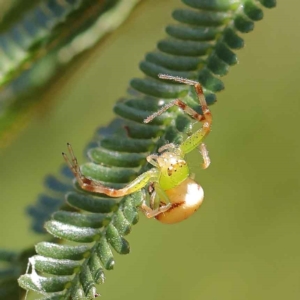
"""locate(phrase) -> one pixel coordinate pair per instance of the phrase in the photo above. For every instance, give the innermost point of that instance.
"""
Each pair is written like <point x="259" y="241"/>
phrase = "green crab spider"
<point x="174" y="195"/>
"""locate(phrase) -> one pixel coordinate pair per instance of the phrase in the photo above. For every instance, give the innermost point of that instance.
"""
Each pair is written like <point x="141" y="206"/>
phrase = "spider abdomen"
<point x="185" y="199"/>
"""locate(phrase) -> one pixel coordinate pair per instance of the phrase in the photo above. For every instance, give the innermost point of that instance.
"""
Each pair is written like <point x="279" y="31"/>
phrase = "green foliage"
<point x="13" y="265"/>
<point x="38" y="40"/>
<point x="105" y="225"/>
<point x="42" y="29"/>
<point x="200" y="47"/>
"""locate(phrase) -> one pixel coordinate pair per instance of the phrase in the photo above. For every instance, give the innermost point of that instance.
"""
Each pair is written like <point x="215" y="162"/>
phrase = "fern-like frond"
<point x="38" y="40"/>
<point x="200" y="47"/>
<point x="45" y="26"/>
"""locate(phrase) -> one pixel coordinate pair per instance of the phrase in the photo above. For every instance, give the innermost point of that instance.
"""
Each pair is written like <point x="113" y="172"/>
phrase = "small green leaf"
<point x="38" y="283"/>
<point x="105" y="254"/>
<point x="62" y="251"/>
<point x="126" y="111"/>
<point x="200" y="18"/>
<point x="152" y="70"/>
<point x="115" y="158"/>
<point x="72" y="233"/>
<point x="217" y="65"/>
<point x="186" y="48"/>
<point x="268" y="3"/>
<point x="80" y="220"/>
<point x="108" y="174"/>
<point x="232" y="39"/>
<point x="121" y="223"/>
<point x="138" y="133"/>
<point x="130" y="211"/>
<point x="116" y="240"/>
<point x="87" y="282"/>
<point x="56" y="266"/>
<point x="217" y="5"/>
<point x="158" y="89"/>
<point x="253" y="11"/>
<point x="126" y="144"/>
<point x="192" y="33"/>
<point x="96" y="269"/>
<point x="174" y="62"/>
<point x="209" y="81"/>
<point x="226" y="54"/>
<point x="243" y="24"/>
<point x="77" y="291"/>
<point x="90" y="203"/>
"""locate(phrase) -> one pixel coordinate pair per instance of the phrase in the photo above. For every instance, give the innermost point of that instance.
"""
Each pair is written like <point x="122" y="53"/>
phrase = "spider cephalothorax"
<point x="173" y="170"/>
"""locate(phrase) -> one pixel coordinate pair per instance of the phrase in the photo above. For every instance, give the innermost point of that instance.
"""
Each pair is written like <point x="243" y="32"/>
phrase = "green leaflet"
<point x="62" y="251"/>
<point x="199" y="46"/>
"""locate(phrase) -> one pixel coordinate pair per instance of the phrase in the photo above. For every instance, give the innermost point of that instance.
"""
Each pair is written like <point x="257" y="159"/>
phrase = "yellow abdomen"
<point x="185" y="198"/>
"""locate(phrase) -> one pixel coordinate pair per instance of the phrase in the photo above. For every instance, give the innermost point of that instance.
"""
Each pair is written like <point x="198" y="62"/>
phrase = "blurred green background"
<point x="244" y="241"/>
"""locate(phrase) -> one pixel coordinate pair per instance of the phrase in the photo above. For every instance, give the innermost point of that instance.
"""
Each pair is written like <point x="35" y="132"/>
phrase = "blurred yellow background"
<point x="244" y="241"/>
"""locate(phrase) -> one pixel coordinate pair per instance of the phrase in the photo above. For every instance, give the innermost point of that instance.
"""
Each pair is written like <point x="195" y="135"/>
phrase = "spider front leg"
<point x="74" y="166"/>
<point x="158" y="197"/>
<point x="195" y="139"/>
<point x="97" y="187"/>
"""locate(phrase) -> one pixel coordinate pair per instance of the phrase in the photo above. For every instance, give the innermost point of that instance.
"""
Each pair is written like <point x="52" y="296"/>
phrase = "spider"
<point x="174" y="195"/>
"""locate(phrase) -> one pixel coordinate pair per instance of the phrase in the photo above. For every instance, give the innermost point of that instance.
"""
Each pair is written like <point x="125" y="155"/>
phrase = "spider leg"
<point x="73" y="164"/>
<point x="206" y="112"/>
<point x="151" y="159"/>
<point x="150" y="213"/>
<point x="97" y="187"/>
<point x="205" y="117"/>
<point x="153" y="196"/>
<point x="204" y="153"/>
<point x="159" y="202"/>
<point x="169" y="146"/>
<point x="181" y="105"/>
<point x="197" y="137"/>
